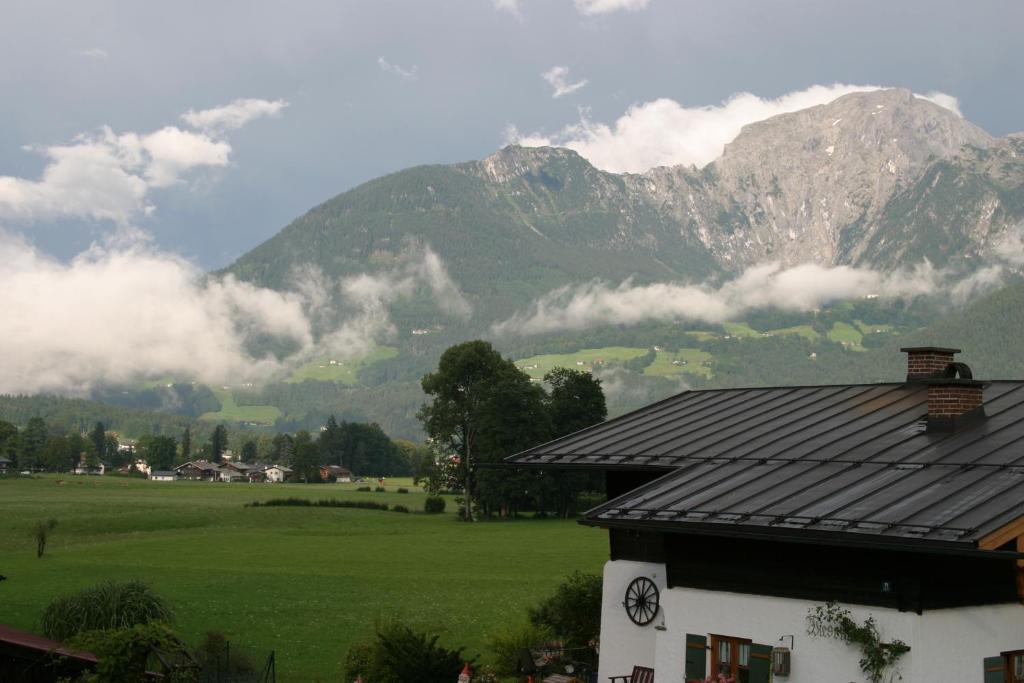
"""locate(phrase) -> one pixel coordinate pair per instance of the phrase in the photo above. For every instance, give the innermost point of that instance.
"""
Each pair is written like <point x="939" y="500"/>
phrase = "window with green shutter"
<point x="995" y="670"/>
<point x="696" y="657"/>
<point x="760" y="663"/>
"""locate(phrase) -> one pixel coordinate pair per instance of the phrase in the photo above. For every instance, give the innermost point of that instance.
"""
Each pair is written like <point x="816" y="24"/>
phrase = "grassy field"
<point x="847" y="335"/>
<point x="344" y="372"/>
<point x="538" y="366"/>
<point x="304" y="582"/>
<point x="667" y="364"/>
<point x="232" y="412"/>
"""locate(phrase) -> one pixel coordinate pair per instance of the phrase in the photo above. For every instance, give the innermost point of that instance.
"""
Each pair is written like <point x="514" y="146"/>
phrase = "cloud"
<point x="510" y="6"/>
<point x="234" y="115"/>
<point x="591" y="7"/>
<point x="108" y="176"/>
<point x="124" y="312"/>
<point x="663" y="132"/>
<point x="558" y="78"/>
<point x="408" y="74"/>
<point x="804" y="287"/>
<point x="95" y="53"/>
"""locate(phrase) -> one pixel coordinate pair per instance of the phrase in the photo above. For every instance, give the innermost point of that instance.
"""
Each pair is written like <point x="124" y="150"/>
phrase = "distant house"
<point x="5" y="465"/>
<point x="276" y="474"/>
<point x="83" y="467"/>
<point x="234" y="471"/>
<point x="163" y="475"/>
<point x="198" y="470"/>
<point x="340" y="474"/>
<point x="257" y="476"/>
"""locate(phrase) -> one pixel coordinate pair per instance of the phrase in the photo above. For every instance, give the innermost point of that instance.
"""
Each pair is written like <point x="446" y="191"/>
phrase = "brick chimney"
<point x="952" y="390"/>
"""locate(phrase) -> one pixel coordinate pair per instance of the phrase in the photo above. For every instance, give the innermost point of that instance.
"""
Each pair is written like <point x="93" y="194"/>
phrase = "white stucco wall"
<point x="946" y="645"/>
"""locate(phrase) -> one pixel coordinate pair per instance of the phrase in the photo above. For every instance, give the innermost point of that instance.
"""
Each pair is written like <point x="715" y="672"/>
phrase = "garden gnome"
<point x="359" y="679"/>
<point x="466" y="676"/>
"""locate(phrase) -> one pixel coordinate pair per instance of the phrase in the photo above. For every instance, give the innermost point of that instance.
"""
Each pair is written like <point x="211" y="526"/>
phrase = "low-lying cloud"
<point x="109" y="176"/>
<point x="125" y="312"/>
<point x="802" y="288"/>
<point x="664" y="132"/>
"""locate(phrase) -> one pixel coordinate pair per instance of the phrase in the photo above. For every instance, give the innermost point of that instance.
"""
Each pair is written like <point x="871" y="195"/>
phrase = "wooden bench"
<point x="641" y="674"/>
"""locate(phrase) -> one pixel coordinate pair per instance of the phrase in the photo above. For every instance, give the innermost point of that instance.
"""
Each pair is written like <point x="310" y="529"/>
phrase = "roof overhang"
<point x="807" y="536"/>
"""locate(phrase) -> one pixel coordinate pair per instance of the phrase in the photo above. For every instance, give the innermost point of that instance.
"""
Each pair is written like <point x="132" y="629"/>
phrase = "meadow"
<point x="304" y="582"/>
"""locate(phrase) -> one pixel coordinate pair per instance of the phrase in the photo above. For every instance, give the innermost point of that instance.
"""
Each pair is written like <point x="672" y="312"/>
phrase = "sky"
<point x="293" y="103"/>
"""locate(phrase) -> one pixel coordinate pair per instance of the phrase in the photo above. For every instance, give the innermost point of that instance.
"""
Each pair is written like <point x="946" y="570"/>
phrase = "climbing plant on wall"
<point x="877" y="657"/>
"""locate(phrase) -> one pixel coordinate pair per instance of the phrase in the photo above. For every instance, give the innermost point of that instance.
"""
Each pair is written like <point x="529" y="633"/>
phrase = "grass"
<point x="538" y="366"/>
<point x="805" y="331"/>
<point x="740" y="330"/>
<point x="305" y="582"/>
<point x="232" y="412"/>
<point x="667" y="364"/>
<point x="343" y="372"/>
<point x="847" y="335"/>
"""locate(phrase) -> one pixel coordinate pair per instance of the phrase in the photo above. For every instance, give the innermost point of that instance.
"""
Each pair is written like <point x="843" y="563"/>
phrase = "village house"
<point x="5" y="465"/>
<point x="736" y="516"/>
<point x="340" y="474"/>
<point x="83" y="467"/>
<point x="198" y="470"/>
<point x="163" y="475"/>
<point x="275" y="474"/>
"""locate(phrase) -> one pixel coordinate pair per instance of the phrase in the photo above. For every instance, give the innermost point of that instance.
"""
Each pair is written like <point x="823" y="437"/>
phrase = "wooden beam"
<point x="1003" y="535"/>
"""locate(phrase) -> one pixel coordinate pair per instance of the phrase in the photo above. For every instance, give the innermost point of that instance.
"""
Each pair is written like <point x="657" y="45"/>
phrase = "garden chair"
<point x="641" y="674"/>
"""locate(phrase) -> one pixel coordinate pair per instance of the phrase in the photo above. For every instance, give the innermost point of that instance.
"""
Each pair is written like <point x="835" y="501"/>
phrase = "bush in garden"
<point x="434" y="504"/>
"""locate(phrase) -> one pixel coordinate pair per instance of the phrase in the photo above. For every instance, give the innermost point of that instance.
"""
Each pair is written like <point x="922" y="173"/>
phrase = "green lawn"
<point x="232" y="412"/>
<point x="584" y="359"/>
<point x="805" y="331"/>
<point x="846" y="334"/>
<point x="344" y="371"/>
<point x="667" y="364"/>
<point x="305" y="582"/>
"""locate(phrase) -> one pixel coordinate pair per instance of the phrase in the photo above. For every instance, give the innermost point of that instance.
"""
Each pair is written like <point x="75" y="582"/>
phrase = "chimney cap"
<point x="925" y="349"/>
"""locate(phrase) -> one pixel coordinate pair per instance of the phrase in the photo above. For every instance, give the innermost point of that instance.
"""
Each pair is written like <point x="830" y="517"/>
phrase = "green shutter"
<point x="696" y="656"/>
<point x="760" y="664"/>
<point x="995" y="670"/>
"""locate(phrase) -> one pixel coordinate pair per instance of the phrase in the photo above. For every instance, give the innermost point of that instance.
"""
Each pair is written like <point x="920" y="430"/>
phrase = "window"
<point x="1014" y="666"/>
<point x="731" y="656"/>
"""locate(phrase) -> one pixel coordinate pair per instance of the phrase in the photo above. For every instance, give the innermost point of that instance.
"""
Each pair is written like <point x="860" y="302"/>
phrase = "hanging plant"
<point x="831" y="620"/>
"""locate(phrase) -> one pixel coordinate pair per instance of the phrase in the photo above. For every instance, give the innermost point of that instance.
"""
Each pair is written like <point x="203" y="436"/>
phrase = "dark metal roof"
<point x="811" y="460"/>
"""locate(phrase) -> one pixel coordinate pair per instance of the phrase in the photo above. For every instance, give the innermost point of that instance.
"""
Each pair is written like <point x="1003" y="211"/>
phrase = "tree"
<point x="33" y="439"/>
<point x="573" y="613"/>
<point x="98" y="439"/>
<point x="575" y="401"/>
<point x="400" y="655"/>
<point x="479" y="400"/>
<point x="58" y="455"/>
<point x="283" y="447"/>
<point x="249" y="451"/>
<point x="9" y="441"/>
<point x="41" y="533"/>
<point x="158" y="451"/>
<point x="306" y="459"/>
<point x="218" y="442"/>
<point x="186" y="444"/>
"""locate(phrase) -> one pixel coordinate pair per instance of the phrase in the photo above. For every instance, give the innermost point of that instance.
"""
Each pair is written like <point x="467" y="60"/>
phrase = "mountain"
<point x="879" y="178"/>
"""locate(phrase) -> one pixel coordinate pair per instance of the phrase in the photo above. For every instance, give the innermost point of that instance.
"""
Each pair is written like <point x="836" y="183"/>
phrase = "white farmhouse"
<point x="277" y="473"/>
<point x="734" y="515"/>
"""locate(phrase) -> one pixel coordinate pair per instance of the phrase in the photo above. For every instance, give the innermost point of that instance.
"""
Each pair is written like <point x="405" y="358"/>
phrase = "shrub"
<point x="226" y="660"/>
<point x="365" y="489"/>
<point x="507" y="647"/>
<point x="397" y="654"/>
<point x="108" y="605"/>
<point x="403" y="490"/>
<point x="41" y="533"/>
<point x="125" y="652"/>
<point x="573" y="613"/>
<point x="434" y="505"/>
<point x="400" y="508"/>
<point x="379" y="489"/>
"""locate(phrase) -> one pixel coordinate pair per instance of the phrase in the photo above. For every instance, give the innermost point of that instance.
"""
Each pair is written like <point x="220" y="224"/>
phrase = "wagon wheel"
<point x="641" y="601"/>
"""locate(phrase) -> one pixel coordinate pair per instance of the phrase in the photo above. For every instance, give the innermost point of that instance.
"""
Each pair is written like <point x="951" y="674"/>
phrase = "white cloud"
<point x="558" y="78"/>
<point x="108" y="176"/>
<point x="666" y="133"/>
<point x="121" y="313"/>
<point x="95" y="53"/>
<point x="408" y="73"/>
<point x="804" y="287"/>
<point x="234" y="115"/>
<point x="510" y="6"/>
<point x="943" y="100"/>
<point x="591" y="7"/>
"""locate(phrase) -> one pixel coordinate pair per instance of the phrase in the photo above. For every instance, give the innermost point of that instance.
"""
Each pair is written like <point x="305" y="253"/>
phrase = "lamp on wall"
<point x="781" y="657"/>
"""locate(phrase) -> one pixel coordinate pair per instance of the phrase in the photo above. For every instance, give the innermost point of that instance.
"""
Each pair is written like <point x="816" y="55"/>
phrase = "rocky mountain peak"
<point x="514" y="161"/>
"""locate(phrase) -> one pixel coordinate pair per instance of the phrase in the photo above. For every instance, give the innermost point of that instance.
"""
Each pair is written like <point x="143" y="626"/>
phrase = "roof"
<point x="850" y="464"/>
<point x="4" y="460"/>
<point x="32" y="641"/>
